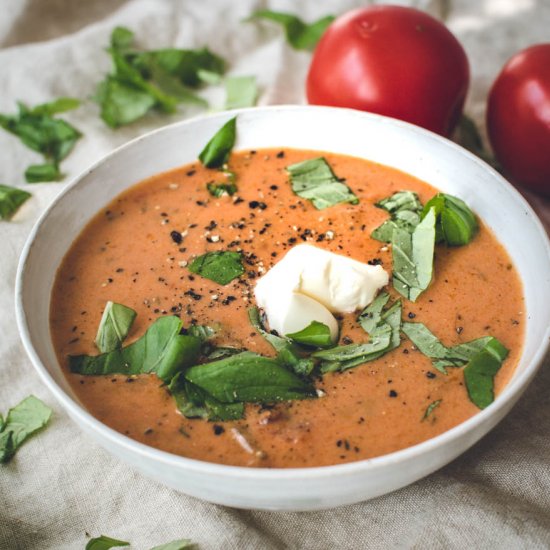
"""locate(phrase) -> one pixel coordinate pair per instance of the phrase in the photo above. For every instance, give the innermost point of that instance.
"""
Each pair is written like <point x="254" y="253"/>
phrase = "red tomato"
<point x="394" y="61"/>
<point x="518" y="118"/>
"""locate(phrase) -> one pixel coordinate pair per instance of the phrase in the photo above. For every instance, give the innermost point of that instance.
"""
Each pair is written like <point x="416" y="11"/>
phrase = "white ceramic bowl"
<point x="386" y="141"/>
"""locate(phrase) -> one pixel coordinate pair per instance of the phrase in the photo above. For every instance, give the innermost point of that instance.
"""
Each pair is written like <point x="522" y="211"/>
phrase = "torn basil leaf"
<point x="221" y="267"/>
<point x="314" y="180"/>
<point x="405" y="210"/>
<point x="37" y="128"/>
<point x="241" y="91"/>
<point x="105" y="543"/>
<point x="456" y="224"/>
<point x="216" y="152"/>
<point x="430" y="409"/>
<point x="194" y="402"/>
<point x="300" y="35"/>
<point x="384" y="337"/>
<point x="115" y="324"/>
<point x="249" y="377"/>
<point x="161" y="350"/>
<point x="287" y="353"/>
<point x="142" y="80"/>
<point x="480" y="372"/>
<point x="220" y="189"/>
<point x="22" y="421"/>
<point x="11" y="198"/>
<point x="180" y="544"/>
<point x="483" y="358"/>
<point x="315" y="334"/>
<point x="413" y="255"/>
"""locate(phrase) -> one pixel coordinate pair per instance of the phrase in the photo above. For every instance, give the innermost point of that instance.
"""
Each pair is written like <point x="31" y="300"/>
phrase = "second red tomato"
<point x="395" y="61"/>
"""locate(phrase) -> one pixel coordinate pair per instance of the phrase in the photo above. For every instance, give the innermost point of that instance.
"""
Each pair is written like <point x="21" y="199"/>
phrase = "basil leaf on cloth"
<point x="300" y="35"/>
<point x="216" y="152"/>
<point x="161" y="350"/>
<point x="37" y="128"/>
<point x="22" y="421"/>
<point x="241" y="91"/>
<point x="115" y="324"/>
<point x="105" y="543"/>
<point x="313" y="179"/>
<point x="11" y="198"/>
<point x="221" y="266"/>
<point x="249" y="377"/>
<point x="456" y="224"/>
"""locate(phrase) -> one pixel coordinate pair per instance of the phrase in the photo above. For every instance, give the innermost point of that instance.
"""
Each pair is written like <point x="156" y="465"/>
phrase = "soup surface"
<point x="126" y="254"/>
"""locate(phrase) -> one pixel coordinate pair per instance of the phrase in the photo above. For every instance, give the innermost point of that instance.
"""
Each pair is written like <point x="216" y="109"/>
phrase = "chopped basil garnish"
<point x="300" y="35"/>
<point x="315" y="334"/>
<point x="430" y="409"/>
<point x="241" y="91"/>
<point x="156" y="78"/>
<point x="114" y="326"/>
<point x="480" y="372"/>
<point x="220" y="189"/>
<point x="405" y="210"/>
<point x="53" y="137"/>
<point x="20" y="423"/>
<point x="217" y="150"/>
<point x="456" y="224"/>
<point x="105" y="543"/>
<point x="249" y="377"/>
<point x="483" y="358"/>
<point x="11" y="198"/>
<point x="287" y="353"/>
<point x="161" y="350"/>
<point x="221" y="267"/>
<point x="314" y="180"/>
<point x="383" y="328"/>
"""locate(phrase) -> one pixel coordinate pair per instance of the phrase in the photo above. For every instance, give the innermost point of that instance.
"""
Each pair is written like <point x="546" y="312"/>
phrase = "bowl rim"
<point x="510" y="393"/>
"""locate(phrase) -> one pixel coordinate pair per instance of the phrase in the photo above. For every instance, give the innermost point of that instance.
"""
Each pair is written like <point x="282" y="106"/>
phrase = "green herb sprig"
<point x="40" y="130"/>
<point x="11" y="199"/>
<point x="221" y="266"/>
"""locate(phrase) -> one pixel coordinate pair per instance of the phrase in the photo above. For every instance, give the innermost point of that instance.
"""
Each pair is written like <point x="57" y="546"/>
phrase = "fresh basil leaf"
<point x="194" y="402"/>
<point x="105" y="543"/>
<point x="383" y="328"/>
<point x="37" y="128"/>
<point x="38" y="173"/>
<point x="216" y="152"/>
<point x="314" y="180"/>
<point x="315" y="334"/>
<point x="161" y="350"/>
<point x="209" y="77"/>
<point x="413" y="255"/>
<point x="20" y="423"/>
<point x="222" y="351"/>
<point x="426" y="342"/>
<point x="430" y="408"/>
<point x="480" y="372"/>
<point x="180" y="544"/>
<point x="456" y="224"/>
<point x="121" y="103"/>
<point x="221" y="266"/>
<point x="220" y="189"/>
<point x="122" y="38"/>
<point x="300" y="35"/>
<point x="241" y="91"/>
<point x="287" y="353"/>
<point x="115" y="324"/>
<point x="202" y="332"/>
<point x="371" y="316"/>
<point x="404" y="208"/>
<point x="11" y="198"/>
<point x="248" y="377"/>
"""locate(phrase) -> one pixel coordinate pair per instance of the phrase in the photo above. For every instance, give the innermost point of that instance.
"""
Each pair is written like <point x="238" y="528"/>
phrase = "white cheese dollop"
<point x="332" y="282"/>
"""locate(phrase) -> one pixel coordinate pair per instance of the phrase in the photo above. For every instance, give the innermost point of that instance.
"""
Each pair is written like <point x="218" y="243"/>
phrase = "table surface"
<point x="61" y="487"/>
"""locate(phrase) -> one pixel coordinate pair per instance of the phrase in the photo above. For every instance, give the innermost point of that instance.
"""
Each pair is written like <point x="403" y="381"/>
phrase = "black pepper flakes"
<point x="218" y="430"/>
<point x="393" y="393"/>
<point x="430" y="375"/>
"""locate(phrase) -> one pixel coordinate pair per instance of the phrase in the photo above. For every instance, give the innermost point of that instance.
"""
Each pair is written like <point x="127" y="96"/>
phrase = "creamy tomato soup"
<point x="128" y="254"/>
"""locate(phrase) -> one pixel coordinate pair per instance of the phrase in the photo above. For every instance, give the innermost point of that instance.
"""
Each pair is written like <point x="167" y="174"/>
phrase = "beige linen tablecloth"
<point x="61" y="485"/>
